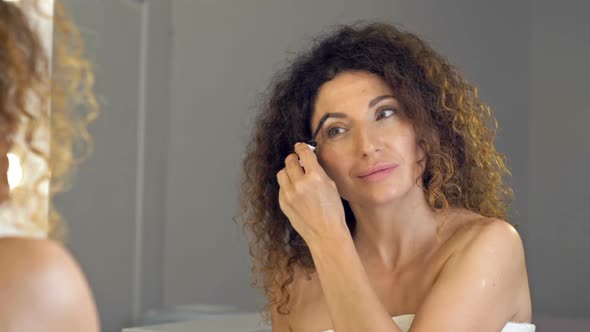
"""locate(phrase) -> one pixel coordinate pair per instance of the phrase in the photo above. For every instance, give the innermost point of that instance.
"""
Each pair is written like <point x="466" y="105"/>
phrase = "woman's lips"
<point x="379" y="175"/>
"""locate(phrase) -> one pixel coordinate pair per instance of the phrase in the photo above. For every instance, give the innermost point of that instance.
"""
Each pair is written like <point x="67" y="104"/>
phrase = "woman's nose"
<point x="367" y="142"/>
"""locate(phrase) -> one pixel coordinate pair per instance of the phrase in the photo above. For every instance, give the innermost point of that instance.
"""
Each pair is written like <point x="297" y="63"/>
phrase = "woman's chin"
<point x="377" y="197"/>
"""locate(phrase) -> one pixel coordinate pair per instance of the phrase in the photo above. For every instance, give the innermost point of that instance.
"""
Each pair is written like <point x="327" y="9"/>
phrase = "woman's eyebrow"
<point x="337" y="115"/>
<point x="323" y="119"/>
<point x="376" y="100"/>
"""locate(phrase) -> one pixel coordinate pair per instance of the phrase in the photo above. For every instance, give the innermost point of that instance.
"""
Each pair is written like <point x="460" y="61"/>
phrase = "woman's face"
<point x="372" y="133"/>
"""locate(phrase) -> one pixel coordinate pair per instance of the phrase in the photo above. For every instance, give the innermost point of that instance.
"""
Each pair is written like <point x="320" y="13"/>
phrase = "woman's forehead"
<point x="349" y="85"/>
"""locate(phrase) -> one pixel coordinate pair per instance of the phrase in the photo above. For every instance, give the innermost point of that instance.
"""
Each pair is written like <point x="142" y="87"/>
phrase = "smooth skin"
<point x="43" y="289"/>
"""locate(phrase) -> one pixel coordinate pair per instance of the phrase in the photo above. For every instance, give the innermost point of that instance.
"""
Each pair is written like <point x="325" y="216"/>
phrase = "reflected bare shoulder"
<point x="42" y="288"/>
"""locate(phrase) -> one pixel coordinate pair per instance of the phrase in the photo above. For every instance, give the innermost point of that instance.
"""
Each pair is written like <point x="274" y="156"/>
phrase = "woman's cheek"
<point x="329" y="167"/>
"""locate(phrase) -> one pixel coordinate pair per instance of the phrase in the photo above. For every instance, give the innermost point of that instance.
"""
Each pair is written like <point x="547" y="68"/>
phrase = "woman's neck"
<point x="394" y="234"/>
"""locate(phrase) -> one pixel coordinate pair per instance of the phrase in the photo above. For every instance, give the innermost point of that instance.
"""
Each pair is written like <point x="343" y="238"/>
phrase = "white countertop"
<point x="243" y="322"/>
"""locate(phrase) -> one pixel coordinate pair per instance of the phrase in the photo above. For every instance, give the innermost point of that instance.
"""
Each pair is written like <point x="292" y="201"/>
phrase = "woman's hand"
<point x="309" y="198"/>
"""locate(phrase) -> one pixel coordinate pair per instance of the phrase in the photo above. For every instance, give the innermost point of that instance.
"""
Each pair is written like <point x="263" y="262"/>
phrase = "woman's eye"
<point x="386" y="113"/>
<point x="335" y="131"/>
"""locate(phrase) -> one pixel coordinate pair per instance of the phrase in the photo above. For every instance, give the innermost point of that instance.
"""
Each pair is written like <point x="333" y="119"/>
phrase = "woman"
<point x="41" y="286"/>
<point x="401" y="211"/>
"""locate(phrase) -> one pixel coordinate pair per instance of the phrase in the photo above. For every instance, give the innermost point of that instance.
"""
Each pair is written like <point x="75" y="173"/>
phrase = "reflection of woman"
<point x="402" y="208"/>
<point x="41" y="286"/>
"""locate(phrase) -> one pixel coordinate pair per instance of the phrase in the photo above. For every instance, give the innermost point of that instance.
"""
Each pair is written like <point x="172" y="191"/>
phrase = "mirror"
<point x="153" y="214"/>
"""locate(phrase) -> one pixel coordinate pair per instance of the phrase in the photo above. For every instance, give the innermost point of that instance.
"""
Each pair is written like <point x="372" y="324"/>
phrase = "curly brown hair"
<point x="62" y="94"/>
<point x="456" y="130"/>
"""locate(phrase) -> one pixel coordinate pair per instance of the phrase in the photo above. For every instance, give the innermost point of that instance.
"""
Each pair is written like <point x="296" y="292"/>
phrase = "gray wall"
<point x="115" y="210"/>
<point x="559" y="159"/>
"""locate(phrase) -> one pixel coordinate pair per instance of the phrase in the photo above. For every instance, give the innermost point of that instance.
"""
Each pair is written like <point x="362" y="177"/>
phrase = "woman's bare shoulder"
<point x="294" y="284"/>
<point x="468" y="226"/>
<point x="487" y="269"/>
<point x="476" y="228"/>
<point x="303" y="290"/>
<point x="494" y="247"/>
<point x="43" y="288"/>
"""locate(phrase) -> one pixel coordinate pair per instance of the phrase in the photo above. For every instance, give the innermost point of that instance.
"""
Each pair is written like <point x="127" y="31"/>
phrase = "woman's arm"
<point x="351" y="300"/>
<point x="43" y="289"/>
<point x="478" y="286"/>
<point x="312" y="203"/>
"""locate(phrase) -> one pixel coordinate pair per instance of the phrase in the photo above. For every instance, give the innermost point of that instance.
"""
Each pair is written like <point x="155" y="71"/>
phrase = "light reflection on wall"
<point x="15" y="171"/>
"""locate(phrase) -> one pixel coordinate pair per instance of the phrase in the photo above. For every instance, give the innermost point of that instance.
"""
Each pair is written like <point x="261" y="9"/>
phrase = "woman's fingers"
<point x="291" y="177"/>
<point x="283" y="179"/>
<point x="308" y="158"/>
<point x="293" y="167"/>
